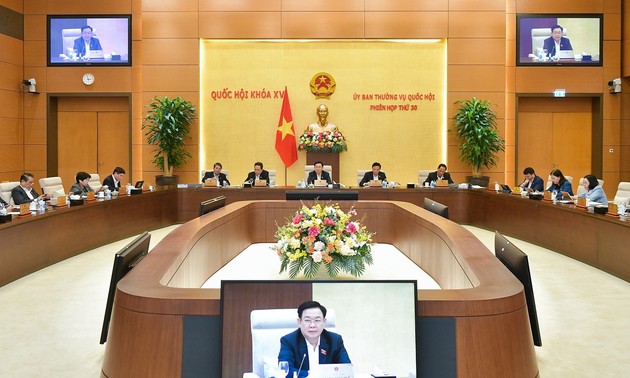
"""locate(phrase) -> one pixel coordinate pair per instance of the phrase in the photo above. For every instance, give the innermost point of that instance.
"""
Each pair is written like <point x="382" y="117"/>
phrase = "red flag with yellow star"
<point x="285" y="133"/>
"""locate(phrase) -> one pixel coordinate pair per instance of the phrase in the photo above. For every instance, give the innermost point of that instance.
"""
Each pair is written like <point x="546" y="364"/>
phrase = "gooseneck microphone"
<point x="300" y="368"/>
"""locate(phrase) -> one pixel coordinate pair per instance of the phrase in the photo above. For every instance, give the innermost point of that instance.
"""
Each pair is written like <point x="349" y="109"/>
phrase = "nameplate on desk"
<point x="90" y="196"/>
<point x="581" y="202"/>
<point x="441" y="184"/>
<point x="61" y="201"/>
<point x="25" y="209"/>
<point x="547" y="196"/>
<point x="260" y="183"/>
<point x="320" y="183"/>
<point x="376" y="183"/>
<point x="210" y="182"/>
<point x="613" y="209"/>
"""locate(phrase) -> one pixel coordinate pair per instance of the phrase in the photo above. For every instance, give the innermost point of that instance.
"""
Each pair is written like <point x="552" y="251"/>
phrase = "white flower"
<point x="350" y="242"/>
<point x="332" y="238"/>
<point x="346" y="251"/>
<point x="330" y="210"/>
<point x="318" y="221"/>
<point x="319" y="245"/>
<point x="317" y="256"/>
<point x="313" y="211"/>
<point x="295" y="243"/>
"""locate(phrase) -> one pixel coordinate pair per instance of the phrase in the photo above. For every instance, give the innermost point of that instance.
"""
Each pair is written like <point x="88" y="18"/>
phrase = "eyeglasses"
<point x="309" y="321"/>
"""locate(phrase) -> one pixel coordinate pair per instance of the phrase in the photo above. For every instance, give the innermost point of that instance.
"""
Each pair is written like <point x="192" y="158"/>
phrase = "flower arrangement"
<point x="323" y="235"/>
<point x="323" y="141"/>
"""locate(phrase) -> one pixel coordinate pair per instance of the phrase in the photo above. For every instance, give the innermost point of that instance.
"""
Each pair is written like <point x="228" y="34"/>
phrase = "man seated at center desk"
<point x="318" y="174"/>
<point x="257" y="174"/>
<point x="376" y="174"/>
<point x="440" y="174"/>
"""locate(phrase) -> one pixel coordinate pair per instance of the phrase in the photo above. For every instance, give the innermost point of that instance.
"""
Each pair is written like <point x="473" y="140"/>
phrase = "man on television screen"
<point x="86" y="43"/>
<point x="556" y="42"/>
<point x="311" y="345"/>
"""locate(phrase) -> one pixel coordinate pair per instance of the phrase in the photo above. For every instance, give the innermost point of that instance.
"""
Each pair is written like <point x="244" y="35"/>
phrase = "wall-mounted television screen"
<point x="376" y="320"/>
<point x="559" y="40"/>
<point x="80" y="40"/>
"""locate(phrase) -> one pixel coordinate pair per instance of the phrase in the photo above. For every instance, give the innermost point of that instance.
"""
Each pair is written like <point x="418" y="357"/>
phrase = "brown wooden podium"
<point x="328" y="158"/>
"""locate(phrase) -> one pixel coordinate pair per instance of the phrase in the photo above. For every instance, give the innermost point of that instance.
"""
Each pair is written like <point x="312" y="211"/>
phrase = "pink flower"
<point x="297" y="219"/>
<point x="329" y="222"/>
<point x="313" y="231"/>
<point x="351" y="227"/>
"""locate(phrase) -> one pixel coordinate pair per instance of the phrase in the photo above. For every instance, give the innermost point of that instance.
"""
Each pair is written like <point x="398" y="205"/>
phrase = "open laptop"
<point x="565" y="54"/>
<point x="139" y="184"/>
<point x="335" y="371"/>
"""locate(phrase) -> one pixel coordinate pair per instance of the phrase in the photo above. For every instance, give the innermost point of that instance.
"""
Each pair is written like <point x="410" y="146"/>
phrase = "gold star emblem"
<point x="286" y="128"/>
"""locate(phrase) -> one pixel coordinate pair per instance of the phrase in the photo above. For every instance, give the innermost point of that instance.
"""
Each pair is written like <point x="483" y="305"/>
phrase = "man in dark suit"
<point x="114" y="180"/>
<point x="376" y="174"/>
<point x="532" y="181"/>
<point x="81" y="44"/>
<point x="311" y="344"/>
<point x="318" y="174"/>
<point x="440" y="174"/>
<point x="556" y="40"/>
<point x="257" y="174"/>
<point x="24" y="193"/>
<point x="216" y="174"/>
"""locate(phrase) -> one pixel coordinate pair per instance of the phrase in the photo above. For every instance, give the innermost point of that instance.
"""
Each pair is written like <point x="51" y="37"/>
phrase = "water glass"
<point x="283" y="366"/>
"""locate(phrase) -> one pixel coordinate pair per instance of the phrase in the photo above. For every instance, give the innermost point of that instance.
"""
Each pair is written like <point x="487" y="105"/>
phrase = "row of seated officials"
<point x="318" y="173"/>
<point x="25" y="193"/>
<point x="559" y="184"/>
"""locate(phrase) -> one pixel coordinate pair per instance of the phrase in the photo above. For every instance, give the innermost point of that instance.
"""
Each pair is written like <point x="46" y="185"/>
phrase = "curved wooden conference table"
<point x="486" y="303"/>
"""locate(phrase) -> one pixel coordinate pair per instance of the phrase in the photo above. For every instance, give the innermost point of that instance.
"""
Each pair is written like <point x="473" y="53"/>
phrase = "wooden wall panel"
<point x="106" y="79"/>
<point x="12" y="50"/>
<point x="35" y="27"/>
<point x="406" y="25"/>
<point x="497" y="98"/>
<point x="10" y="132"/>
<point x="544" y="6"/>
<point x="35" y="53"/>
<point x="170" y="25"/>
<point x="34" y="157"/>
<point x="479" y="78"/>
<point x="11" y="77"/>
<point x="11" y="104"/>
<point x="329" y="25"/>
<point x="476" y="25"/>
<point x="170" y="51"/>
<point x="476" y="51"/>
<point x="240" y="6"/>
<point x="170" y="5"/>
<point x="34" y="131"/>
<point x="93" y="104"/>
<point x="35" y="7"/>
<point x="406" y="5"/>
<point x="612" y="26"/>
<point x="611" y="132"/>
<point x="81" y="7"/>
<point x="170" y="78"/>
<point x="322" y="6"/>
<point x="475" y="6"/>
<point x="16" y="5"/>
<point x="39" y="73"/>
<point x="240" y="25"/>
<point x="11" y="158"/>
<point x="546" y="79"/>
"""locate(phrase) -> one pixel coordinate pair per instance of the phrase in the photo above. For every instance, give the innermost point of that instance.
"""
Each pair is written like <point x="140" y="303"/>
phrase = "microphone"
<point x="300" y="368"/>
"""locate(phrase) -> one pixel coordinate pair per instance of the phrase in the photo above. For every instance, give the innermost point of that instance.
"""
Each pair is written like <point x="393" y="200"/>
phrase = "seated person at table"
<point x="440" y="174"/>
<point x="257" y="174"/>
<point x="82" y="186"/>
<point x="556" y="42"/>
<point x="376" y="174"/>
<point x="86" y="43"/>
<point x="24" y="193"/>
<point x="595" y="192"/>
<point x="559" y="184"/>
<point x="216" y="173"/>
<point x="114" y="180"/>
<point x="311" y="345"/>
<point x="318" y="174"/>
<point x="532" y="181"/>
<point x="5" y="205"/>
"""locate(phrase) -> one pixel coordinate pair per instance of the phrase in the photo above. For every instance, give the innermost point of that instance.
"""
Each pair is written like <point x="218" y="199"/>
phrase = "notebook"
<point x="336" y="371"/>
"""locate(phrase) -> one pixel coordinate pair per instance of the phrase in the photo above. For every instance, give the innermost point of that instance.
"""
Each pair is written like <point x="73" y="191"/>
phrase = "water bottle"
<point x="225" y="183"/>
<point x="384" y="184"/>
<point x="621" y="209"/>
<point x="433" y="184"/>
<point x="554" y="196"/>
<point x="42" y="206"/>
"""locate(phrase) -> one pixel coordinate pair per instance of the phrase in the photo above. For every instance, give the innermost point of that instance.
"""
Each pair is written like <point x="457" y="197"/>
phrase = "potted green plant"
<point x="167" y="125"/>
<point x="476" y="127"/>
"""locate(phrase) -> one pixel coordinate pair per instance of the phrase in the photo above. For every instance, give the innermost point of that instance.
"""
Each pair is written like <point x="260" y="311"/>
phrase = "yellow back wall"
<point x="409" y="76"/>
